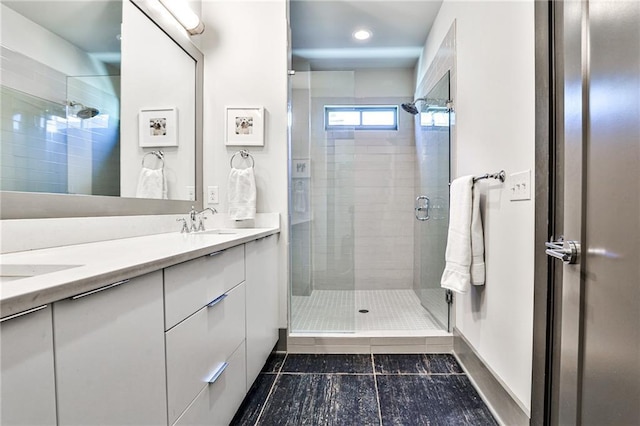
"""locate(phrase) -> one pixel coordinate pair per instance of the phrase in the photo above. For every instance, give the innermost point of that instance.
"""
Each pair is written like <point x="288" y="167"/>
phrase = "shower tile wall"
<point x="33" y="158"/>
<point x="363" y="190"/>
<point x="42" y="151"/>
<point x="383" y="204"/>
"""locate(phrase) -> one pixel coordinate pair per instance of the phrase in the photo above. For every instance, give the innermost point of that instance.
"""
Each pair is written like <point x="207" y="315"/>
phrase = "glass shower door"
<point x="433" y="157"/>
<point x="322" y="206"/>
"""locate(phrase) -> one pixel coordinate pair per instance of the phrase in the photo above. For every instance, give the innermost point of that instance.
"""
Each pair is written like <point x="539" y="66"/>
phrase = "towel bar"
<point x="244" y="154"/>
<point x="158" y="154"/>
<point x="501" y="176"/>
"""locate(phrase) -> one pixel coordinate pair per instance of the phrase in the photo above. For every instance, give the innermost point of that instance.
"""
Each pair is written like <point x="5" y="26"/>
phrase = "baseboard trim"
<point x="502" y="404"/>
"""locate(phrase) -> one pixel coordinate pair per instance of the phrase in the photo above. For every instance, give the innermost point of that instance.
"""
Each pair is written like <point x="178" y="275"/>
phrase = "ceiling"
<point x="321" y="32"/>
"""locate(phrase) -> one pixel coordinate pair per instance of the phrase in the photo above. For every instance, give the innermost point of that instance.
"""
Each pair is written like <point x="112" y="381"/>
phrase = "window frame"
<point x="361" y="109"/>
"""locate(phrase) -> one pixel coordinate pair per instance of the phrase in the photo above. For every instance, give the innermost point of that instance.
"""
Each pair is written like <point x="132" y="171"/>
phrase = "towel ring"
<point x="159" y="155"/>
<point x="244" y="154"/>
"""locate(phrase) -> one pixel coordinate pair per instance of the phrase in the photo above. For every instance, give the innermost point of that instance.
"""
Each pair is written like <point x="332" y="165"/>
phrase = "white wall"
<point x="245" y="48"/>
<point x="495" y="120"/>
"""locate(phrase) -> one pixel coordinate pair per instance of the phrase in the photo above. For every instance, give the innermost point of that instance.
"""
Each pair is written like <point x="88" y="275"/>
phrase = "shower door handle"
<point x="422" y="208"/>
<point x="567" y="251"/>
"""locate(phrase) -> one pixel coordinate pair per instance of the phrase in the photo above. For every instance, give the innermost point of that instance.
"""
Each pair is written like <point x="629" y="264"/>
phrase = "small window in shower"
<point x="361" y="117"/>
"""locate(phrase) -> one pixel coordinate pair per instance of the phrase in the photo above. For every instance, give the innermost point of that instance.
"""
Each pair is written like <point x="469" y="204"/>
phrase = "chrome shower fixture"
<point x="84" y="112"/>
<point x="411" y="108"/>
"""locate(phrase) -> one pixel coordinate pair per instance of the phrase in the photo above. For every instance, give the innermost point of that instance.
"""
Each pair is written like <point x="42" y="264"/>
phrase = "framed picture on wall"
<point x="158" y="127"/>
<point x="244" y="126"/>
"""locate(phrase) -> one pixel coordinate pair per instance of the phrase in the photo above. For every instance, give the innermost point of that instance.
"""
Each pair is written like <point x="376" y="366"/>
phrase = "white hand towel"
<point x="242" y="194"/>
<point x="456" y="275"/>
<point x="477" y="239"/>
<point x="152" y="184"/>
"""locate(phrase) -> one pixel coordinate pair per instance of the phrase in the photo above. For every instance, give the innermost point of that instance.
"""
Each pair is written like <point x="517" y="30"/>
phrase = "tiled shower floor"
<point x="337" y="311"/>
<point x="350" y="389"/>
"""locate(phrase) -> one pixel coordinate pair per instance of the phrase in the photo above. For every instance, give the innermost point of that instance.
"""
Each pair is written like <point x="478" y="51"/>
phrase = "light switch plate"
<point x="191" y="193"/>
<point x="212" y="195"/>
<point x="520" y="185"/>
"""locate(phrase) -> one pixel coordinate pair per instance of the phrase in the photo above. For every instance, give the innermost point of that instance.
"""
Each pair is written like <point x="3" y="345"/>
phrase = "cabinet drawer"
<point x="27" y="380"/>
<point x="217" y="402"/>
<point x="191" y="285"/>
<point x="199" y="345"/>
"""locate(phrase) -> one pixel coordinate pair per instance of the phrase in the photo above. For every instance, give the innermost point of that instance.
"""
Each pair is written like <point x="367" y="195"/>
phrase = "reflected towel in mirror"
<point x="152" y="184"/>
<point x="242" y="194"/>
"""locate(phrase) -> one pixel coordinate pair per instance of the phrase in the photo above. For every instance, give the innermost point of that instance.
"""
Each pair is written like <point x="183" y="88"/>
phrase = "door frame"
<point x="548" y="184"/>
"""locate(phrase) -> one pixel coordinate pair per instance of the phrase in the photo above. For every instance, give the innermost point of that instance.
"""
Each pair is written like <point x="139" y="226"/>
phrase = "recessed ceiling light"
<point x="362" y="34"/>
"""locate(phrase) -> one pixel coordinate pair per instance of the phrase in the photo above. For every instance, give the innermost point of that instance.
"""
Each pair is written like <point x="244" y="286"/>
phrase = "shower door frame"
<point x="419" y="228"/>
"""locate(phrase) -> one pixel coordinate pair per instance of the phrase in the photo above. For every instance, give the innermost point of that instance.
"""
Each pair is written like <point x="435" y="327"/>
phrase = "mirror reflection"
<point x="65" y="127"/>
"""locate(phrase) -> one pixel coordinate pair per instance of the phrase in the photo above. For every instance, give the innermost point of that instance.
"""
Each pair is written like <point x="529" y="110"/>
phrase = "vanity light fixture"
<point x="362" y="34"/>
<point x="183" y="14"/>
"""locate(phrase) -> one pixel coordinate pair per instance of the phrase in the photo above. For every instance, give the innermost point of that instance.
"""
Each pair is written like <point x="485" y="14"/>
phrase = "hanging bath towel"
<point x="465" y="242"/>
<point x="152" y="184"/>
<point x="477" y="239"/>
<point x="242" y="194"/>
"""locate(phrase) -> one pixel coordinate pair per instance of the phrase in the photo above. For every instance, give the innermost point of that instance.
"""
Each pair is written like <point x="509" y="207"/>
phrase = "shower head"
<point x="411" y="108"/>
<point x="84" y="112"/>
<point x="87" y="112"/>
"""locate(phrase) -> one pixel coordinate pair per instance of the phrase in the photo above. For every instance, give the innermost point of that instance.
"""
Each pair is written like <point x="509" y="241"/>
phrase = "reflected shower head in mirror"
<point x="84" y="112"/>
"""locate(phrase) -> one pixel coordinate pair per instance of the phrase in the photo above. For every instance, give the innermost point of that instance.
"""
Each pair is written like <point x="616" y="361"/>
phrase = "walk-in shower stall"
<point x="369" y="203"/>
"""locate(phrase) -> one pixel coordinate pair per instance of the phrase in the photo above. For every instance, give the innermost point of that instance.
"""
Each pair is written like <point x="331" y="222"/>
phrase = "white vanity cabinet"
<point x="191" y="285"/>
<point x="205" y="317"/>
<point x="110" y="355"/>
<point x="177" y="346"/>
<point x="27" y="383"/>
<point x="262" y="302"/>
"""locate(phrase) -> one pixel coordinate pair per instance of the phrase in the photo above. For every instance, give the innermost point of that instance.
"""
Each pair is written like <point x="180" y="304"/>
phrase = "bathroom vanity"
<point x="162" y="329"/>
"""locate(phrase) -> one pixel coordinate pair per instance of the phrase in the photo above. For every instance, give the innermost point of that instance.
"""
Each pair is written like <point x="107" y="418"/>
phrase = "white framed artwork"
<point x="158" y="127"/>
<point x="244" y="126"/>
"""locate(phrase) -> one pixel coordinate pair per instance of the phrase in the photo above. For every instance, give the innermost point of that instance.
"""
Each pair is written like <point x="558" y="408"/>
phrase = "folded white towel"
<point x="242" y="194"/>
<point x="477" y="239"/>
<point x="152" y="184"/>
<point x="465" y="241"/>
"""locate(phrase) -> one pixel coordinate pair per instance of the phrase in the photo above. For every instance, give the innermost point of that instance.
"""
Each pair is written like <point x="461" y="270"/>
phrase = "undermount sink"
<point x="11" y="272"/>
<point x="217" y="232"/>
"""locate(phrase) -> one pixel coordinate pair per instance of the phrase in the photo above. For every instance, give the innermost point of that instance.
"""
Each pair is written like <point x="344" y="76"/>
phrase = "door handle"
<point x="422" y="205"/>
<point x="567" y="251"/>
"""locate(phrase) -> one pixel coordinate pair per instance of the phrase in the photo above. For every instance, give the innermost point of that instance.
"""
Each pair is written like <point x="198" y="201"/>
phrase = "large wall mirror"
<point x="101" y="110"/>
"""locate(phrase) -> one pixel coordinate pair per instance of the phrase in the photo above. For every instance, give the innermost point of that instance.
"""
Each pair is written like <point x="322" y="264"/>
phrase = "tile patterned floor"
<point x="361" y="389"/>
<point x="337" y="311"/>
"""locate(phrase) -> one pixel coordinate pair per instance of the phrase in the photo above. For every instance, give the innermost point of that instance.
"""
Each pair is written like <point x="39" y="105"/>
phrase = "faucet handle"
<point x="202" y="217"/>
<point x="185" y="228"/>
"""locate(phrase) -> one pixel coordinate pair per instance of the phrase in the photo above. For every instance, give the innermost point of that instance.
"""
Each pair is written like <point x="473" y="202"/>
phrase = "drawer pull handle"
<point x="217" y="300"/>
<point x="218" y="372"/>
<point x="98" y="290"/>
<point x="215" y="253"/>
<point x="19" y="314"/>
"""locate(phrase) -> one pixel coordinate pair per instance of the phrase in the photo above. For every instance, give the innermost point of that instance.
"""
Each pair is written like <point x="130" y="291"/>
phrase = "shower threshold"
<point x="364" y="321"/>
<point x="371" y="342"/>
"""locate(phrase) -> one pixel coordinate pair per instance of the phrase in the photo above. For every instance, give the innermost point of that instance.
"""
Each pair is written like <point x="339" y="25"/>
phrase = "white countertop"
<point x="106" y="262"/>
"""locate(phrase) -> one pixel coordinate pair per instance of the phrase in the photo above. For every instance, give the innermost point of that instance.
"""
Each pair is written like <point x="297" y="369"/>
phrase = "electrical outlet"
<point x="212" y="195"/>
<point x="191" y="193"/>
<point x="520" y="185"/>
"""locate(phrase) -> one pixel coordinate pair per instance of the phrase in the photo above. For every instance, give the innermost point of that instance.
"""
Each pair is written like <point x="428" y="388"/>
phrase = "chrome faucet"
<point x="185" y="228"/>
<point x="202" y="217"/>
<point x="192" y="220"/>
